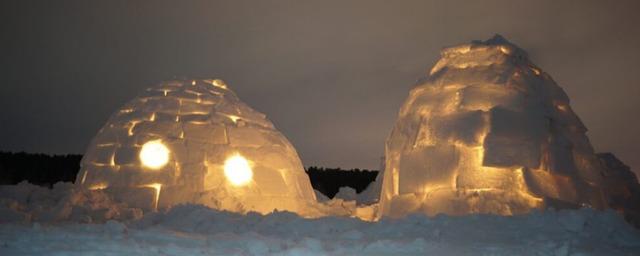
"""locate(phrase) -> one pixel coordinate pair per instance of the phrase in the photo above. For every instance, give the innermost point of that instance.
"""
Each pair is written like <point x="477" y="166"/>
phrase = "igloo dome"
<point x="486" y="131"/>
<point x="195" y="142"/>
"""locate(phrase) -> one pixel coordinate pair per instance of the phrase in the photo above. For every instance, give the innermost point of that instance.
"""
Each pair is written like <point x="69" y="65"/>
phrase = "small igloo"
<point x="194" y="141"/>
<point x="486" y="131"/>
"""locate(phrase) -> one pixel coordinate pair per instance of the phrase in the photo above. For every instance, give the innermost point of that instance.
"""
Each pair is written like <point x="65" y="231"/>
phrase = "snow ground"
<point x="197" y="230"/>
<point x="66" y="221"/>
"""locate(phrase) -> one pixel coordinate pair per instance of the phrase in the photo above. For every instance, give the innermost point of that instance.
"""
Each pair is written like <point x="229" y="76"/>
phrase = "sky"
<point x="331" y="75"/>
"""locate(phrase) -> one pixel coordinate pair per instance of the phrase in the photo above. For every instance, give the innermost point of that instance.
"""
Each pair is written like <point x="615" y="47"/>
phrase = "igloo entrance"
<point x="195" y="142"/>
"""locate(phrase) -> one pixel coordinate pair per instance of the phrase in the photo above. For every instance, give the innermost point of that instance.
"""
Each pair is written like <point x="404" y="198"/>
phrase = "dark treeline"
<point x="329" y="180"/>
<point x="46" y="170"/>
<point x="38" y="169"/>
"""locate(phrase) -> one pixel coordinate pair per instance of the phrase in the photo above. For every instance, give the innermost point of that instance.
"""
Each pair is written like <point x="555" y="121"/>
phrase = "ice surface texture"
<point x="202" y="123"/>
<point x="486" y="131"/>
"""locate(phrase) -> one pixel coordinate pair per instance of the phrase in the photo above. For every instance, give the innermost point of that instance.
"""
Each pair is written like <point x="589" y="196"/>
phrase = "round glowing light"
<point x="237" y="170"/>
<point x="154" y="154"/>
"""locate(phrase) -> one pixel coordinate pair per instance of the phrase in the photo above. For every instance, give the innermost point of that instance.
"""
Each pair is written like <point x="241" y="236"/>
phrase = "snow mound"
<point x="487" y="131"/>
<point x="371" y="194"/>
<point x="26" y="203"/>
<point x="198" y="230"/>
<point x="622" y="188"/>
<point x="346" y="193"/>
<point x="194" y="141"/>
<point x="65" y="202"/>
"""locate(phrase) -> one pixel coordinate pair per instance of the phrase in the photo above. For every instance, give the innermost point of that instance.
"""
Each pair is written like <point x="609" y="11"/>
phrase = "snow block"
<point x="428" y="167"/>
<point x="514" y="139"/>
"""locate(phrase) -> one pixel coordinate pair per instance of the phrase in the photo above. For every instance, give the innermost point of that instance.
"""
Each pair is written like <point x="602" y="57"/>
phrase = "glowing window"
<point x="237" y="170"/>
<point x="154" y="154"/>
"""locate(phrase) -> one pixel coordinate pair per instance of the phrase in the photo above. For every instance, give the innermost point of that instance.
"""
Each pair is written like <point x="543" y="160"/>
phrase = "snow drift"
<point x="198" y="230"/>
<point x="487" y="131"/>
<point x="194" y="141"/>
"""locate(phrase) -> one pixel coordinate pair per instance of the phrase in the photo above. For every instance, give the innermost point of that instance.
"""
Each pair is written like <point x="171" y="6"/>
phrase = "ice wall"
<point x="196" y="126"/>
<point x="486" y="131"/>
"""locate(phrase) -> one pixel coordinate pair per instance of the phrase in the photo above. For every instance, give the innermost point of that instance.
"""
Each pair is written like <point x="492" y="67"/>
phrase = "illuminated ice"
<point x="486" y="131"/>
<point x="195" y="142"/>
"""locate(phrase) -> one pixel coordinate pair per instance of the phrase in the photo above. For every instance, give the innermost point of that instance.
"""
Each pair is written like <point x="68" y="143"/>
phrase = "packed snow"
<point x="63" y="221"/>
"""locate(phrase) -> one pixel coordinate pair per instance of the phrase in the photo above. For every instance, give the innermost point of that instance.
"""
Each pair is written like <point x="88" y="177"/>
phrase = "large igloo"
<point x="486" y="131"/>
<point x="195" y="142"/>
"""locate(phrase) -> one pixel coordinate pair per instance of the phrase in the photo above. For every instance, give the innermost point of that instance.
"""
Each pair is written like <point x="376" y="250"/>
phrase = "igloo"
<point x="194" y="141"/>
<point x="486" y="131"/>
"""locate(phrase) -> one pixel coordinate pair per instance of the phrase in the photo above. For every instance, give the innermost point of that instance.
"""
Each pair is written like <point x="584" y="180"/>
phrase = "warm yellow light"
<point x="98" y="186"/>
<point x="154" y="154"/>
<point x="219" y="83"/>
<point x="157" y="187"/>
<point x="562" y="108"/>
<point x="237" y="170"/>
<point x="233" y="118"/>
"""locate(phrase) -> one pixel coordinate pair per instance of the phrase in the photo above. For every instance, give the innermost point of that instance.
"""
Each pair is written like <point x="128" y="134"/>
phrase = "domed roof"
<point x="488" y="132"/>
<point x="194" y="141"/>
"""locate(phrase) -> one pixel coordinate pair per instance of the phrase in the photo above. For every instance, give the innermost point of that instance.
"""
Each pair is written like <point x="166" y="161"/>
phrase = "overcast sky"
<point x="331" y="75"/>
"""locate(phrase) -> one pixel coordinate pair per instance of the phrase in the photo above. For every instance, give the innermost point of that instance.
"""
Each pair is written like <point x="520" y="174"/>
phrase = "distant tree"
<point x="39" y="169"/>
<point x="46" y="170"/>
<point x="329" y="180"/>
